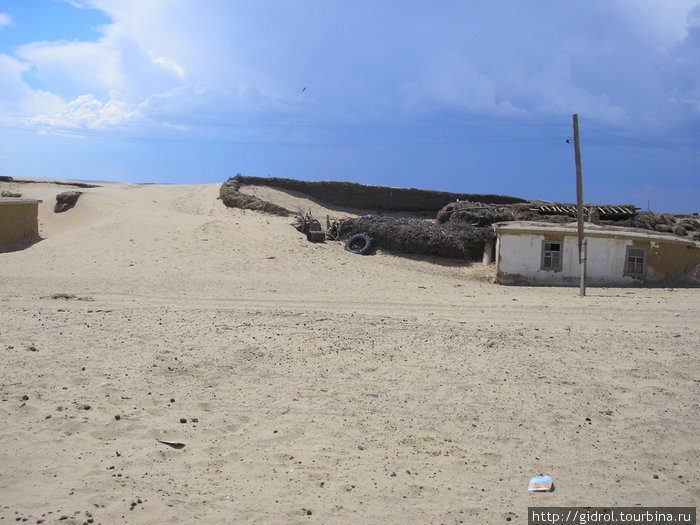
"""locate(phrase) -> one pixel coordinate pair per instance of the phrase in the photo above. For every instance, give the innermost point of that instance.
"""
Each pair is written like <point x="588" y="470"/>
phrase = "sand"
<point x="319" y="386"/>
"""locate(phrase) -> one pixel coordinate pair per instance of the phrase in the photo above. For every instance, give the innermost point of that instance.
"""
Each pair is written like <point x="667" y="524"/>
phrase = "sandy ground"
<point x="319" y="386"/>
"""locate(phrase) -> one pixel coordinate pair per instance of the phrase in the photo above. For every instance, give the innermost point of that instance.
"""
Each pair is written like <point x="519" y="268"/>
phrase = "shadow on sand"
<point x="18" y="246"/>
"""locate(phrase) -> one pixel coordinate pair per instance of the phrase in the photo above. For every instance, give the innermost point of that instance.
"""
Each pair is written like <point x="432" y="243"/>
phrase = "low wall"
<point x="18" y="220"/>
<point x="376" y="198"/>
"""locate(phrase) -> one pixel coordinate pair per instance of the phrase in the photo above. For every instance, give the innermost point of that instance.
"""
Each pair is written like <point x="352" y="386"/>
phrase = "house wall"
<point x="673" y="263"/>
<point x="519" y="258"/>
<point x="18" y="220"/>
<point x="605" y="262"/>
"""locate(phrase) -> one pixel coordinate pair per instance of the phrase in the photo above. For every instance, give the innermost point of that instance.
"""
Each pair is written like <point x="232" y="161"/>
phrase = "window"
<point x="551" y="255"/>
<point x="635" y="261"/>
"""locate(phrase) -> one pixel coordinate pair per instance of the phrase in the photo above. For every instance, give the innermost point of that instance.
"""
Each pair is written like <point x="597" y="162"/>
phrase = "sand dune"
<point x="318" y="386"/>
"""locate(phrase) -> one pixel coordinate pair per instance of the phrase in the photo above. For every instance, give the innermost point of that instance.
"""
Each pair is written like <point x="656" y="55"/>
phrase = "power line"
<point x="96" y="134"/>
<point x="642" y="141"/>
<point x="619" y="148"/>
<point x="101" y="135"/>
<point x="284" y="125"/>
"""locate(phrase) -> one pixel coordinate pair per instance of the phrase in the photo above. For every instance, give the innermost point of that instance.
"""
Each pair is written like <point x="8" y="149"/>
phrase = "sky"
<point x="470" y="96"/>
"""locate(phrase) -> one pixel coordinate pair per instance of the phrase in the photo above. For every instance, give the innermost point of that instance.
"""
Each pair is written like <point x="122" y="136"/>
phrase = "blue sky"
<point x="464" y="96"/>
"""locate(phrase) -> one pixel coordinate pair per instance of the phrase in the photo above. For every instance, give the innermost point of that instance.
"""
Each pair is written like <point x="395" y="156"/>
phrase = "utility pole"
<point x="582" y="245"/>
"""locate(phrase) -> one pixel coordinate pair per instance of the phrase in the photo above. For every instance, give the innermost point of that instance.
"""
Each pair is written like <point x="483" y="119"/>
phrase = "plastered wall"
<point x="18" y="221"/>
<point x="519" y="259"/>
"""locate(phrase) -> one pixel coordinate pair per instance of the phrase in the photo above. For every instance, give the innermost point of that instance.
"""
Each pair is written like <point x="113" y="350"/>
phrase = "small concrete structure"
<point x="19" y="220"/>
<point x="547" y="254"/>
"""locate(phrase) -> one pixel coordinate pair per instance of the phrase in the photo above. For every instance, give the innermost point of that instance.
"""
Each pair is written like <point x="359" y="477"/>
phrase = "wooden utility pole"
<point x="579" y="209"/>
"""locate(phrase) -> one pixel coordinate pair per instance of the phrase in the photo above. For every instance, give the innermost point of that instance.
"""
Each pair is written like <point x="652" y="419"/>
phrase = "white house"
<point x="547" y="254"/>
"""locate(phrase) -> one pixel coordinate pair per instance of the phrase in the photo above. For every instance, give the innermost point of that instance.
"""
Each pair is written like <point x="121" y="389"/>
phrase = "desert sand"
<point x="313" y="385"/>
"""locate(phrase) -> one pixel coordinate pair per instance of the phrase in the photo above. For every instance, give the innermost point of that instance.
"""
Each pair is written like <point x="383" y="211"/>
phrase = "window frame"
<point x="644" y="250"/>
<point x="550" y="268"/>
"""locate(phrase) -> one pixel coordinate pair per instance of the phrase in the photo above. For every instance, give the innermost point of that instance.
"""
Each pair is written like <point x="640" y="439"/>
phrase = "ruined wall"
<point x="673" y="263"/>
<point x="18" y="220"/>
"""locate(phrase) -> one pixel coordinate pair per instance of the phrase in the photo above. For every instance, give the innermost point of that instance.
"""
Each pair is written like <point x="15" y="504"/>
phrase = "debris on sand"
<point x="174" y="444"/>
<point x="66" y="200"/>
<point x="68" y="297"/>
<point x="311" y="227"/>
<point x="540" y="484"/>
<point x="359" y="243"/>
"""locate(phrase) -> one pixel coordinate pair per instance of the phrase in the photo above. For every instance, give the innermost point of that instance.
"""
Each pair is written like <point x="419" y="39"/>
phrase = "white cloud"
<point x="212" y="101"/>
<point x="137" y="54"/>
<point x="18" y="98"/>
<point x="169" y="65"/>
<point x="450" y="81"/>
<point x="679" y="66"/>
<point x="5" y="20"/>
<point x="74" y="67"/>
<point x="550" y="90"/>
<point x="88" y="112"/>
<point x="187" y="61"/>
<point x="659" y="21"/>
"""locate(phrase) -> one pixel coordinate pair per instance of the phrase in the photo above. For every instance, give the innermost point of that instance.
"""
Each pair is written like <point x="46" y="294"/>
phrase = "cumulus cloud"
<point x="216" y="102"/>
<point x="144" y="50"/>
<point x="679" y="64"/>
<point x="660" y="22"/>
<point x="188" y="61"/>
<point x="88" y="112"/>
<point x="551" y="90"/>
<point x="159" y="55"/>
<point x="449" y="80"/>
<point x="169" y="65"/>
<point x="17" y="97"/>
<point x="71" y="67"/>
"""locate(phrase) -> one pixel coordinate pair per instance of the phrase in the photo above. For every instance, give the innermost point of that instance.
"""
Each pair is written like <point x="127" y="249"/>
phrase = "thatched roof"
<point x="480" y="214"/>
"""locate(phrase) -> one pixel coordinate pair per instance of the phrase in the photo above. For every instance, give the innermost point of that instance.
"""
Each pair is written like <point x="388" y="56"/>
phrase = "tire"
<point x="359" y="243"/>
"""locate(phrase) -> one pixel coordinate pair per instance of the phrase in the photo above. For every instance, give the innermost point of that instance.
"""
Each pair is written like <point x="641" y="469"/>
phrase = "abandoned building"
<point x="547" y="254"/>
<point x="19" y="220"/>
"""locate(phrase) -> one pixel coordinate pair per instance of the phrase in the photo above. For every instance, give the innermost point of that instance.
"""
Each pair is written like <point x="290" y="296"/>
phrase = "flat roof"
<point x="590" y="230"/>
<point x="18" y="200"/>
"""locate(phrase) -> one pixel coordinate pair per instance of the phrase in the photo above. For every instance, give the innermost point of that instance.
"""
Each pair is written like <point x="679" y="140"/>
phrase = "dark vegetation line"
<point x="5" y="178"/>
<point x="379" y="198"/>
